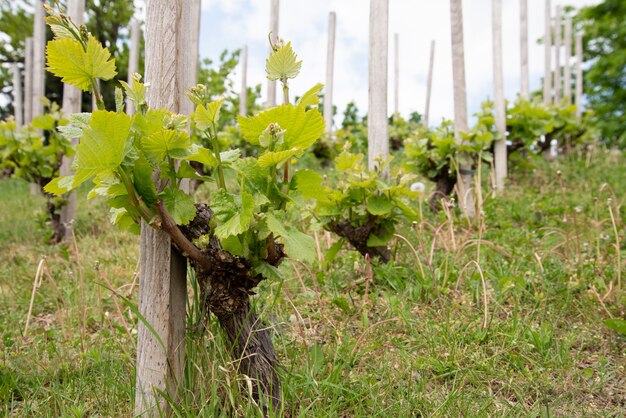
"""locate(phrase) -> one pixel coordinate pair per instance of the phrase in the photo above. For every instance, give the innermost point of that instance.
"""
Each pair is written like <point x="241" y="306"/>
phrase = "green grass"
<point x="414" y="345"/>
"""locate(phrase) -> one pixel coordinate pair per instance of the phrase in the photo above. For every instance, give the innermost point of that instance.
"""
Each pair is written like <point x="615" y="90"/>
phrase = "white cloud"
<point x="233" y="23"/>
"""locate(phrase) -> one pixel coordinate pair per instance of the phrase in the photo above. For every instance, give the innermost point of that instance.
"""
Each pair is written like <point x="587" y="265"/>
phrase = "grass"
<point x="414" y="345"/>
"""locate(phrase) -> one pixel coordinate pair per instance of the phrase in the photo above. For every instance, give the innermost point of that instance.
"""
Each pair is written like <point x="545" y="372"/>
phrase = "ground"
<point x="502" y="317"/>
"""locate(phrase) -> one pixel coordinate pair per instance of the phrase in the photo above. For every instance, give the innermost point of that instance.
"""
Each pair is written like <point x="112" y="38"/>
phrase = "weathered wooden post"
<point x="557" y="55"/>
<point x="28" y="80"/>
<point x="579" y="75"/>
<point x="39" y="57"/>
<point x="243" y="96"/>
<point x="71" y="104"/>
<point x="429" y="82"/>
<point x="330" y="66"/>
<point x="567" y="77"/>
<point x="498" y="96"/>
<point x="523" y="17"/>
<point x="547" y="73"/>
<point x="18" y="104"/>
<point x="271" y="85"/>
<point x="396" y="73"/>
<point x="133" y="60"/>
<point x="377" y="129"/>
<point x="38" y="73"/>
<point x="170" y="25"/>
<point x="464" y="183"/>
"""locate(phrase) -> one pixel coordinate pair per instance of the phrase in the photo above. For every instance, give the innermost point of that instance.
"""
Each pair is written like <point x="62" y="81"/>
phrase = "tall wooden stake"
<point x="547" y="73"/>
<point x="429" y="83"/>
<point x="330" y="65"/>
<point x="28" y="80"/>
<point x="579" y="75"/>
<point x="557" y="55"/>
<point x="523" y="17"/>
<point x="133" y="60"/>
<point x="466" y="199"/>
<point x="377" y="129"/>
<point x="271" y="85"/>
<point x="498" y="96"/>
<point x="170" y="27"/>
<point x="71" y="104"/>
<point x="38" y="73"/>
<point x="396" y="73"/>
<point x="18" y="104"/>
<point x="568" y="60"/>
<point x="39" y="47"/>
<point x="243" y="96"/>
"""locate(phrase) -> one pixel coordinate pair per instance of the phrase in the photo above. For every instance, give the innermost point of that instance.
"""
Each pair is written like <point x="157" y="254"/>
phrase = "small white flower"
<point x="418" y="187"/>
<point x="133" y="331"/>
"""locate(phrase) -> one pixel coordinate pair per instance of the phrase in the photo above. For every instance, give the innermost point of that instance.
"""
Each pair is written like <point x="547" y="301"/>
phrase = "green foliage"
<point x="604" y="48"/>
<point x="137" y="163"/>
<point x="79" y="64"/>
<point x="28" y="154"/>
<point x="359" y="198"/>
<point x="281" y="64"/>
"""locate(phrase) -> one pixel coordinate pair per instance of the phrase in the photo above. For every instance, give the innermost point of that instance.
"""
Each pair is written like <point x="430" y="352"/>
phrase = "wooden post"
<point x="39" y="48"/>
<point x="71" y="104"/>
<point x="377" y="128"/>
<point x="524" y="90"/>
<point x="38" y="73"/>
<point x="330" y="64"/>
<point x="28" y="80"/>
<point x="170" y="25"/>
<point x="466" y="199"/>
<point x="243" y="97"/>
<point x="133" y="60"/>
<point x="18" y="106"/>
<point x="579" y="75"/>
<point x="429" y="83"/>
<point x="557" y="55"/>
<point x="568" y="60"/>
<point x="547" y="73"/>
<point x="498" y="96"/>
<point x="271" y="85"/>
<point x="396" y="73"/>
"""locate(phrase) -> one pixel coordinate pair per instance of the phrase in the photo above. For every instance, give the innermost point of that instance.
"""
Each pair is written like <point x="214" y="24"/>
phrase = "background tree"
<point x="106" y="20"/>
<point x="604" y="45"/>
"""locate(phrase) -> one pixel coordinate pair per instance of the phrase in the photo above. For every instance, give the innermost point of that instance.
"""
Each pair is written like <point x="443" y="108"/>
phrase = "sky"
<point x="230" y="24"/>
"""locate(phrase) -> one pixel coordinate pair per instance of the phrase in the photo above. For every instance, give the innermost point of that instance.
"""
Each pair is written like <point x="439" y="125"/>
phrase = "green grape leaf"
<point x="142" y="180"/>
<point x="379" y="205"/>
<point x="268" y="271"/>
<point x="58" y="28"/>
<point x="163" y="143"/>
<point x="298" y="245"/>
<point x="68" y="60"/>
<point x="282" y="63"/>
<point x="153" y="121"/>
<point x="179" y="205"/>
<point x="271" y="158"/>
<point x="236" y="212"/>
<point x="347" y="161"/>
<point x="59" y="185"/>
<point x="230" y="156"/>
<point x="311" y="97"/>
<point x="202" y="155"/>
<point x="302" y="128"/>
<point x="101" y="147"/>
<point x="205" y="117"/>
<point x="121" y="218"/>
<point x="309" y="184"/>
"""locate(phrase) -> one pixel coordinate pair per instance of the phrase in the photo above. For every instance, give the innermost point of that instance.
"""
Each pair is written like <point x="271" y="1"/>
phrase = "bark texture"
<point x="445" y="183"/>
<point x="226" y="288"/>
<point x="358" y="236"/>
